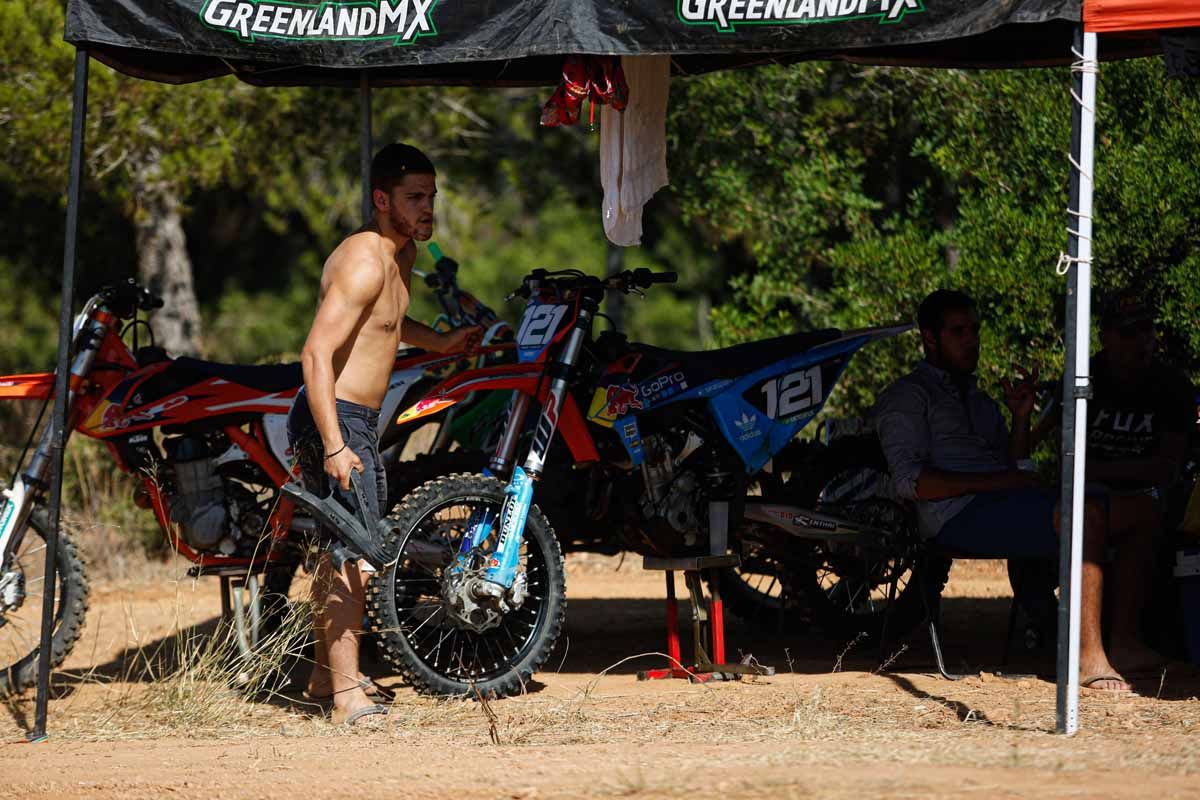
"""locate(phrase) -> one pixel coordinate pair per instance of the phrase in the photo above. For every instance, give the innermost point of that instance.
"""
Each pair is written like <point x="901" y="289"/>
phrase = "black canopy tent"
<point x="368" y="43"/>
<point x="521" y="43"/>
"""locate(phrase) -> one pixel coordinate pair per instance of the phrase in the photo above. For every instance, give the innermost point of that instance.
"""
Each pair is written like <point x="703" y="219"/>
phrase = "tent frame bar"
<point x="1077" y="382"/>
<point x="58" y="419"/>
<point x="365" y="144"/>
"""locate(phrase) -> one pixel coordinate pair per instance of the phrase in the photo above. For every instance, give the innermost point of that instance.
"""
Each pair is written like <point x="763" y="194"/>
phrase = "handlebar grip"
<point x="643" y="277"/>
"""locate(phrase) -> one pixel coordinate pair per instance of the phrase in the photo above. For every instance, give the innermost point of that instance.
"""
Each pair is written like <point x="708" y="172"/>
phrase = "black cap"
<point x="1125" y="310"/>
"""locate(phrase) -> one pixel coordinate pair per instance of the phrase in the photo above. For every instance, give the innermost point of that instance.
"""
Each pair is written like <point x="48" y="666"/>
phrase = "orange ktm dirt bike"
<point x="208" y="445"/>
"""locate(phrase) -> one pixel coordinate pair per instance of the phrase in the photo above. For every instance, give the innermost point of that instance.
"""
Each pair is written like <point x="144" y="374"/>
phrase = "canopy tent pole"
<point x="58" y="420"/>
<point x="364" y="95"/>
<point x="1076" y="380"/>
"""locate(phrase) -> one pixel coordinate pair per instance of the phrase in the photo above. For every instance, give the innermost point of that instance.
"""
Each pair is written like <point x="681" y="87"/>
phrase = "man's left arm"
<point x="418" y="334"/>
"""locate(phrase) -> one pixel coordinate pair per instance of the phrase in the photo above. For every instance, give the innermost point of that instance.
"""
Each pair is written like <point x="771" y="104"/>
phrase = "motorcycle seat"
<point x="732" y="362"/>
<point x="265" y="378"/>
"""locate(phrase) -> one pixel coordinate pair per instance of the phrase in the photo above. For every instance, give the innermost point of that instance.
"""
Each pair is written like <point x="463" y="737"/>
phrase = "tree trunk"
<point x="163" y="263"/>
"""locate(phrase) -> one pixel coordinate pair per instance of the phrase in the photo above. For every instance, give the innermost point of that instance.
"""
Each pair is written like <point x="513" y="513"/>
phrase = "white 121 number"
<point x="540" y="325"/>
<point x="793" y="393"/>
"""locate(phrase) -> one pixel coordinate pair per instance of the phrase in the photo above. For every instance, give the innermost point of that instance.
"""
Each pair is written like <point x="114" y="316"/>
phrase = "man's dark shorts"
<point x="1017" y="523"/>
<point x="359" y="426"/>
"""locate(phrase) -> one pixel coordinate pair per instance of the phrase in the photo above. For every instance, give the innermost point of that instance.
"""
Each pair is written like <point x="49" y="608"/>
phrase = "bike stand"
<point x="706" y="618"/>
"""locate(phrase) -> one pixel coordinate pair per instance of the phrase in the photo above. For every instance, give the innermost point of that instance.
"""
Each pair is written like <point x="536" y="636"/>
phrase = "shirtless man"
<point x="347" y="359"/>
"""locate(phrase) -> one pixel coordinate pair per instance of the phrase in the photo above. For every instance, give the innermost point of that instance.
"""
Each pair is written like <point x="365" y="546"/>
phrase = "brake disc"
<point x="12" y="592"/>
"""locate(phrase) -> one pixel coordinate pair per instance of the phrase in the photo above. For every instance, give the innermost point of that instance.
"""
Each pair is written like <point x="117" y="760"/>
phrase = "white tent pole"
<point x="1078" y="356"/>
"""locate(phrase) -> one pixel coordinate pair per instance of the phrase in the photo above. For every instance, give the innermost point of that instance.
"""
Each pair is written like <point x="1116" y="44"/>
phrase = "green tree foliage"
<point x="856" y="191"/>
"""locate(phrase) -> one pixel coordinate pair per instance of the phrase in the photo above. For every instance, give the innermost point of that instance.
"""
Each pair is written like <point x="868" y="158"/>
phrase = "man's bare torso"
<point x="362" y="365"/>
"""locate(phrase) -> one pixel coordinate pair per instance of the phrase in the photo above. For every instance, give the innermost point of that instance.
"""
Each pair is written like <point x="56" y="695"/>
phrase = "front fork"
<point x="502" y="566"/>
<point x="31" y="483"/>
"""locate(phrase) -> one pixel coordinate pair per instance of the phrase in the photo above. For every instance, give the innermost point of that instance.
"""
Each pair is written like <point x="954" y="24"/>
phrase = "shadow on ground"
<point x="600" y="634"/>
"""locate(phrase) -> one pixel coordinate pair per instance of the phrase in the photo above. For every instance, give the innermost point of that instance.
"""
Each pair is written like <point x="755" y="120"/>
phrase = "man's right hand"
<point x="338" y="467"/>
<point x="1020" y="479"/>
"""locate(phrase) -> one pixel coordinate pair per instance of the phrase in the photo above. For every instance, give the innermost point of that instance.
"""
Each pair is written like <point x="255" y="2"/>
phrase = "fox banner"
<point x="521" y="42"/>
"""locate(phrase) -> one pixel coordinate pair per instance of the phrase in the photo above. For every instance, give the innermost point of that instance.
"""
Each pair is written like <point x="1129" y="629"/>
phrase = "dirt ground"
<point x="830" y="724"/>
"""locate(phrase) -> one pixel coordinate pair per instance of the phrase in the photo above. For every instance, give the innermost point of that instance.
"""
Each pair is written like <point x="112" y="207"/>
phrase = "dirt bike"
<point x="635" y="448"/>
<point x="208" y="444"/>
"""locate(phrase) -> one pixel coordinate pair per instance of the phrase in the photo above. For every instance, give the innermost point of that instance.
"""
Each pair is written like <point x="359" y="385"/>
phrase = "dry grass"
<point x="193" y="683"/>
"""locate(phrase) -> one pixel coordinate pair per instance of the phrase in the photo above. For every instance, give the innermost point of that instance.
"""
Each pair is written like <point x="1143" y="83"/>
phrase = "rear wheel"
<point x="766" y="590"/>
<point x="852" y="589"/>
<point x="413" y="606"/>
<point x="22" y="581"/>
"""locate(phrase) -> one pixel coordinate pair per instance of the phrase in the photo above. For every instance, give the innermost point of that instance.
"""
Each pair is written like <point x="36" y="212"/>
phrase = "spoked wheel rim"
<point x="766" y="589"/>
<point x="429" y="627"/>
<point x="22" y="589"/>
<point x="861" y="585"/>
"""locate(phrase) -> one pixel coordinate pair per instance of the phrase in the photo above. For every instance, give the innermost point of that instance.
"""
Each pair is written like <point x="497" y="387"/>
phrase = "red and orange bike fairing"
<point x="34" y="386"/>
<point x="524" y="378"/>
<point x="121" y="403"/>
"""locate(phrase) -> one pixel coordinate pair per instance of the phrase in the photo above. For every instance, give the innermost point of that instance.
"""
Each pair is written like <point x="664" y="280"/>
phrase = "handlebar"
<point x="125" y="299"/>
<point x="565" y="280"/>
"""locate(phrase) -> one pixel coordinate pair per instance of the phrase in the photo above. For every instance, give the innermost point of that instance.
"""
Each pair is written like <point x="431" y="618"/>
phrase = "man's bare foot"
<point x="350" y="707"/>
<point x="320" y="687"/>
<point x="1097" y="675"/>
<point x="1104" y="682"/>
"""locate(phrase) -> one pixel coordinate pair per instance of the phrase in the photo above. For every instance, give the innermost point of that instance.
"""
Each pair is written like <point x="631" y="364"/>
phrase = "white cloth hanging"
<point x="633" y="147"/>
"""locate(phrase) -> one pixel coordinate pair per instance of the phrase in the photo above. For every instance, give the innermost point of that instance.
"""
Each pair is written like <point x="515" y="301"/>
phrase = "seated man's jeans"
<point x="1015" y="523"/>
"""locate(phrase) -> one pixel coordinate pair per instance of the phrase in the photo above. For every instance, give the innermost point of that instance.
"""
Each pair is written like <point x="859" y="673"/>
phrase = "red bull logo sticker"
<point x="610" y="403"/>
<point x="621" y="399"/>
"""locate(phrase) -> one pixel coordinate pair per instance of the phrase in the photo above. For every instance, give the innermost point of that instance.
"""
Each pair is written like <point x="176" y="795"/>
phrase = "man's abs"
<point x="363" y="377"/>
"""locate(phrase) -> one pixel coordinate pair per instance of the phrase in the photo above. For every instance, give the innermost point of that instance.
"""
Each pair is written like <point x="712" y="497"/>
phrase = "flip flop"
<point x="1090" y="682"/>
<point x="370" y="710"/>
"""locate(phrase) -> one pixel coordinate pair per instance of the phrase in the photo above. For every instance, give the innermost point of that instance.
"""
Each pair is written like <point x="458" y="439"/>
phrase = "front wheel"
<point x="415" y="606"/>
<point x="22" y="580"/>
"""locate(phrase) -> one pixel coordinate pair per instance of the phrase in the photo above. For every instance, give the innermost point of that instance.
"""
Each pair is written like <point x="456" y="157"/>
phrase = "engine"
<point x="677" y="483"/>
<point x="213" y="509"/>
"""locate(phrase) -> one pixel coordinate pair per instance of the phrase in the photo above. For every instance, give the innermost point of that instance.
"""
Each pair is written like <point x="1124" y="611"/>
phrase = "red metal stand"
<point x="708" y="623"/>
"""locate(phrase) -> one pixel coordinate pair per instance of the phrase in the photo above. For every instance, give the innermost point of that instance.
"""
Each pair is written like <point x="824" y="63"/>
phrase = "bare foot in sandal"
<point x="1109" y="681"/>
<point x="1098" y="675"/>
<point x="357" y="717"/>
<point x="321" y="690"/>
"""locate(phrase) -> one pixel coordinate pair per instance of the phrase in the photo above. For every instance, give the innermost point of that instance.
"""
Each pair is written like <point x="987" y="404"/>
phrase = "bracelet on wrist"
<point x="335" y="452"/>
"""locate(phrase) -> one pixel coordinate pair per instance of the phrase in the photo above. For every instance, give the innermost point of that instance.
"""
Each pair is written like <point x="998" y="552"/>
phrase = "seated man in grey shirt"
<point x="949" y="449"/>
